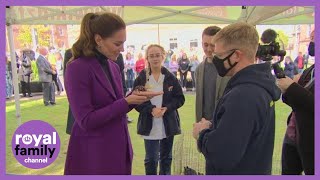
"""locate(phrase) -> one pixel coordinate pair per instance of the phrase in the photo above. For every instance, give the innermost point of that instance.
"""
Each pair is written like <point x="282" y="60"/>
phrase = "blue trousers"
<point x="158" y="150"/>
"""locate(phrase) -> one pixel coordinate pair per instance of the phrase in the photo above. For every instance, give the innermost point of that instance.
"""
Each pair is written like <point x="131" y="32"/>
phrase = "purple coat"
<point x="100" y="141"/>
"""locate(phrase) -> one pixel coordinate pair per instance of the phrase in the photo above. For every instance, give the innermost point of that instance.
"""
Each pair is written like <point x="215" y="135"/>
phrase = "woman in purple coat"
<point x="99" y="142"/>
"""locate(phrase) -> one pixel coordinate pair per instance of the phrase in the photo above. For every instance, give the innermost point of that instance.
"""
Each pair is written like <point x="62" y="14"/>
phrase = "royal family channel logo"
<point x="35" y="144"/>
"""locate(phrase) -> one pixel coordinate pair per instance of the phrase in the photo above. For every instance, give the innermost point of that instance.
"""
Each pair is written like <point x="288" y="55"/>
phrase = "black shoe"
<point x="52" y="103"/>
<point x="24" y="95"/>
<point x="47" y="104"/>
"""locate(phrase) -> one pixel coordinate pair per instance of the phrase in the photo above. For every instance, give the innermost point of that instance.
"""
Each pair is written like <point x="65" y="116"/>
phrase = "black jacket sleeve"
<point x="67" y="57"/>
<point x="120" y="63"/>
<point x="297" y="97"/>
<point x="177" y="99"/>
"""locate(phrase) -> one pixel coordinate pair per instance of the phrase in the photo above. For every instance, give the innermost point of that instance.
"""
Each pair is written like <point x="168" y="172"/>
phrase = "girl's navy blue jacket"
<point x="173" y="99"/>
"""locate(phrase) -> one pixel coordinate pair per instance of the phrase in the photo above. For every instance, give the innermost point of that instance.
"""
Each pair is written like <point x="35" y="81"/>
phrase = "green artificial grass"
<point x="184" y="145"/>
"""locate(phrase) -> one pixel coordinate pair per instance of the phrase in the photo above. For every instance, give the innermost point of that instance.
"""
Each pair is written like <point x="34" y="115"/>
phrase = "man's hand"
<point x="198" y="127"/>
<point x="203" y="120"/>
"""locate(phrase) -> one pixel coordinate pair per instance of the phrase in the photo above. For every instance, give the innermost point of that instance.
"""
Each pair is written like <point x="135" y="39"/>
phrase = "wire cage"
<point x="187" y="160"/>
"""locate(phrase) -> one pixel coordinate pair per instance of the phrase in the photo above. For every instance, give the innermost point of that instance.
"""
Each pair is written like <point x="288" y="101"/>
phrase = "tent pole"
<point x="158" y="34"/>
<point x="122" y="12"/>
<point x="52" y="34"/>
<point x="14" y="69"/>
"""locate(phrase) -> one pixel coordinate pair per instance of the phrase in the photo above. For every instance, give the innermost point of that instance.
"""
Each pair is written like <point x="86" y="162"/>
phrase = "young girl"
<point x="129" y="67"/>
<point x="194" y="64"/>
<point x="159" y="119"/>
<point x="173" y="65"/>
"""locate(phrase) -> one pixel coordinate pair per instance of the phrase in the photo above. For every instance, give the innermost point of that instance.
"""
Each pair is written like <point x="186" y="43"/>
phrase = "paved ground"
<point x="36" y="96"/>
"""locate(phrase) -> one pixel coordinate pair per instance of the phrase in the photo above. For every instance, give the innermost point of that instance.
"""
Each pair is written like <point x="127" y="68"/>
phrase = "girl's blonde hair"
<point x="174" y="56"/>
<point x="148" y="69"/>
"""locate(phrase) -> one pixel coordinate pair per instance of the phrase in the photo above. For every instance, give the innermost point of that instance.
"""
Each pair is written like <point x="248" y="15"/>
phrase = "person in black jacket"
<point x="158" y="118"/>
<point x="120" y="63"/>
<point x="289" y="67"/>
<point x="70" y="119"/>
<point x="298" y="144"/>
<point x="241" y="139"/>
<point x="67" y="58"/>
<point x="25" y="72"/>
<point x="184" y="65"/>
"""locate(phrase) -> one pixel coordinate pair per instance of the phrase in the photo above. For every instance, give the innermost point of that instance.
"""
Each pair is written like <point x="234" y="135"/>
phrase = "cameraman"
<point x="241" y="140"/>
<point x="298" y="145"/>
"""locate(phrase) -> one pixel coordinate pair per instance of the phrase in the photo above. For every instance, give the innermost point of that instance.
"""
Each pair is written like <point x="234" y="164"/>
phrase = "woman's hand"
<point x="163" y="110"/>
<point x="284" y="83"/>
<point x="135" y="99"/>
<point x="139" y="97"/>
<point x="148" y="94"/>
<point x="156" y="112"/>
<point x="296" y="78"/>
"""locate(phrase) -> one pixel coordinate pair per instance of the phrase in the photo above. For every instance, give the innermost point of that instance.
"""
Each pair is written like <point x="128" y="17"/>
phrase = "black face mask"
<point x="219" y="64"/>
<point x="311" y="49"/>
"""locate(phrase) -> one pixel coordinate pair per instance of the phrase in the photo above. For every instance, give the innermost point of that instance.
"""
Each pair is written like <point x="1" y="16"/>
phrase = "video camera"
<point x="269" y="49"/>
<point x="265" y="52"/>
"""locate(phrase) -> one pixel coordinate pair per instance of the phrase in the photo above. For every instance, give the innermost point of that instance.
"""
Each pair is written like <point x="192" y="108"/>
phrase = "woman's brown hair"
<point x="102" y="24"/>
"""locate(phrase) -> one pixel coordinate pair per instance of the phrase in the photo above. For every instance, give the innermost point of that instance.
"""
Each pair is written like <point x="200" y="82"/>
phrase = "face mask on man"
<point x="311" y="49"/>
<point x="219" y="64"/>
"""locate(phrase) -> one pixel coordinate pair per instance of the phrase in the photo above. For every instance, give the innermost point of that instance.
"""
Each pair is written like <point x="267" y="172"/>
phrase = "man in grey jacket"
<point x="208" y="93"/>
<point x="45" y="76"/>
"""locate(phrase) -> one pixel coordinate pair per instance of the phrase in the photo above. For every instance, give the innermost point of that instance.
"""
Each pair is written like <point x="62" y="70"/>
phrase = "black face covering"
<point x="311" y="49"/>
<point x="219" y="64"/>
